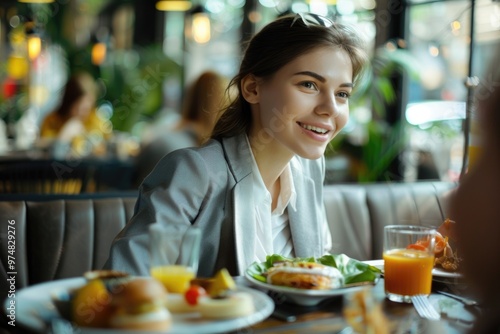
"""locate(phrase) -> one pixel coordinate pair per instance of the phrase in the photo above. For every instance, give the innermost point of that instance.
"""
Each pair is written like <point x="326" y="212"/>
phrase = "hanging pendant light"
<point x="33" y="40"/>
<point x="200" y="25"/>
<point x="35" y="1"/>
<point x="173" y="5"/>
<point x="98" y="53"/>
<point x="34" y="46"/>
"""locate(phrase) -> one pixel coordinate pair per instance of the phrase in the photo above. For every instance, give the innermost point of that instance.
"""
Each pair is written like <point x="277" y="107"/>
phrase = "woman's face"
<point x="304" y="104"/>
<point x="83" y="106"/>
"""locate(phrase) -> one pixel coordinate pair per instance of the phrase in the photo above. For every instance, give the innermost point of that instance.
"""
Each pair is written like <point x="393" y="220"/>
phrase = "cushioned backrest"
<point x="64" y="238"/>
<point x="357" y="213"/>
<point x="349" y="220"/>
<point x="60" y="238"/>
<point x="421" y="204"/>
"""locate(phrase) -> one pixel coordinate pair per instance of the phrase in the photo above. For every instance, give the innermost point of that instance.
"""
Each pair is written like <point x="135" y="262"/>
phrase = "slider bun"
<point x="104" y="274"/>
<point x="139" y="304"/>
<point x="138" y="291"/>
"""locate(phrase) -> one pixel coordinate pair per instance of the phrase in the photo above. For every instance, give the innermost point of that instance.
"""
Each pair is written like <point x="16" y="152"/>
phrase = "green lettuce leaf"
<point x="354" y="271"/>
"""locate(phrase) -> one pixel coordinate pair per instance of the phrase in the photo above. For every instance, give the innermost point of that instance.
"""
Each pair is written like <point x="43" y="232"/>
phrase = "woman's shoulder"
<point x="210" y="155"/>
<point x="189" y="165"/>
<point x="51" y="125"/>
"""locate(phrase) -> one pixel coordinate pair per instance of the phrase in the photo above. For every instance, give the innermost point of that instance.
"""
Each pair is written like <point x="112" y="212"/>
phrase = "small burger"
<point x="139" y="304"/>
<point x="304" y="275"/>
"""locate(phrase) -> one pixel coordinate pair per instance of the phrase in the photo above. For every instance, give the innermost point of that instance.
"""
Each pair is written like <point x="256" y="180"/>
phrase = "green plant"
<point x="374" y="151"/>
<point x="383" y="146"/>
<point x="134" y="84"/>
<point x="131" y="80"/>
<point x="376" y="87"/>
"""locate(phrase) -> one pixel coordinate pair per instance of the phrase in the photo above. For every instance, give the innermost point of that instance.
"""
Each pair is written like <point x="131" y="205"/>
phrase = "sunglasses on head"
<point x="312" y="19"/>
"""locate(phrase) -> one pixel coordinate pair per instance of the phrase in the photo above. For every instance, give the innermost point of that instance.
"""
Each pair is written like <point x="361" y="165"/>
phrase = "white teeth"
<point x="313" y="128"/>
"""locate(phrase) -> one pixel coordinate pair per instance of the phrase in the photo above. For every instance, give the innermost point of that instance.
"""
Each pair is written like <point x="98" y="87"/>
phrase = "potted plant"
<point x="369" y="142"/>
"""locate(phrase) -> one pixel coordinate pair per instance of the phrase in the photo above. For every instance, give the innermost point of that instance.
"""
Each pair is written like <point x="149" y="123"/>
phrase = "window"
<point x="439" y="36"/>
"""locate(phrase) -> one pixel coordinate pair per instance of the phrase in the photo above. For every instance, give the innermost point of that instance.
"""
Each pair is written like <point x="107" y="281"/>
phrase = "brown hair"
<point x="204" y="98"/>
<point x="79" y="84"/>
<point x="203" y="104"/>
<point x="277" y="44"/>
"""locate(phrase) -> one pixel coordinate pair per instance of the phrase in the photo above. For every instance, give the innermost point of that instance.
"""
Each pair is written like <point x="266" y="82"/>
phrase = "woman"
<point x="201" y="106"/>
<point x="256" y="187"/>
<point x="76" y="115"/>
<point x="203" y="101"/>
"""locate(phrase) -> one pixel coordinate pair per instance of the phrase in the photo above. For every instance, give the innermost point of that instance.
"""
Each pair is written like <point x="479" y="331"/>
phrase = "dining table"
<point x="327" y="316"/>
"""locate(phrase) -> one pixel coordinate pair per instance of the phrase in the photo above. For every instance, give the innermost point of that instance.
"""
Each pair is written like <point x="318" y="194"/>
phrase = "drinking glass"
<point x="174" y="256"/>
<point x="408" y="261"/>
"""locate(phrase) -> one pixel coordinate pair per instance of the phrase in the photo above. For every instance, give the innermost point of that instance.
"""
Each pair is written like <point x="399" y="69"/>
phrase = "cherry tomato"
<point x="193" y="293"/>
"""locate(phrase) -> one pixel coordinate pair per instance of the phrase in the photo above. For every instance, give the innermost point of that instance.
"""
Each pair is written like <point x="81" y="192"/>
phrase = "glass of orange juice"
<point x="174" y="255"/>
<point x="408" y="261"/>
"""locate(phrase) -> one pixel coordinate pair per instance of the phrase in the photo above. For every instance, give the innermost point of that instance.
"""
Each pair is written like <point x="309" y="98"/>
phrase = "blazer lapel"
<point x="305" y="221"/>
<point x="244" y="221"/>
<point x="240" y="162"/>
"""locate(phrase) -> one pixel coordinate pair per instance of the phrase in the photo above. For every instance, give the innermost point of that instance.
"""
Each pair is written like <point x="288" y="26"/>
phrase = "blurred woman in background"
<point x="203" y="101"/>
<point x="76" y="115"/>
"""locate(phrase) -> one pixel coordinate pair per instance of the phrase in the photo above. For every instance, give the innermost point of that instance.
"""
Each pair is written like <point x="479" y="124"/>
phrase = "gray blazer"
<point x="211" y="187"/>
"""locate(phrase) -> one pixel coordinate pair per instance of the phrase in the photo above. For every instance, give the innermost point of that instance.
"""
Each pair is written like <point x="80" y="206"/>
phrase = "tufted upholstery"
<point x="60" y="238"/>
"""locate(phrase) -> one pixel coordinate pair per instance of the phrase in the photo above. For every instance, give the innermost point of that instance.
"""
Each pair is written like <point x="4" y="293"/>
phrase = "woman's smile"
<point x="317" y="132"/>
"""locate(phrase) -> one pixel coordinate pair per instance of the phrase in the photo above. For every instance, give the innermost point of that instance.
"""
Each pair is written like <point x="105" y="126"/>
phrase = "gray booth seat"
<point x="64" y="237"/>
<point x="59" y="237"/>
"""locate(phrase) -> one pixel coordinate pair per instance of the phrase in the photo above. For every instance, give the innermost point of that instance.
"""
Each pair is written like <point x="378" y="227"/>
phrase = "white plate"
<point x="443" y="273"/>
<point x="435" y="272"/>
<point x="35" y="302"/>
<point x="306" y="297"/>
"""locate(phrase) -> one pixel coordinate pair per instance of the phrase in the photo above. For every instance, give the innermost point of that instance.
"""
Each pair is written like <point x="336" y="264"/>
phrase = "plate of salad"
<point x="296" y="280"/>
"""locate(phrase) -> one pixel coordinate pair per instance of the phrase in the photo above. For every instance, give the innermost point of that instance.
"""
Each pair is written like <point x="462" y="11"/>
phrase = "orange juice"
<point x="175" y="278"/>
<point x="408" y="272"/>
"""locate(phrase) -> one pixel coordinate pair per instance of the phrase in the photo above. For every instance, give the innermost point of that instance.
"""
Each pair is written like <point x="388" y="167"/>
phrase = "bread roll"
<point x="140" y="304"/>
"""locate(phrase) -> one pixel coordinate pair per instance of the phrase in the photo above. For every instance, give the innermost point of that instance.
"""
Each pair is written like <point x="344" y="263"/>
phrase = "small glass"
<point x="174" y="256"/>
<point x="408" y="261"/>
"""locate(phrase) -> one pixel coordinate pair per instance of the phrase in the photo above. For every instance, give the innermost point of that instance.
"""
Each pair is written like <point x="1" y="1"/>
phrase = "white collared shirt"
<point x="273" y="235"/>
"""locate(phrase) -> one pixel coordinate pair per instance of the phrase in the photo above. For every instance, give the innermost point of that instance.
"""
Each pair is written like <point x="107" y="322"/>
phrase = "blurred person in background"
<point x="76" y="116"/>
<point x="256" y="187"/>
<point x="476" y="210"/>
<point x="203" y="101"/>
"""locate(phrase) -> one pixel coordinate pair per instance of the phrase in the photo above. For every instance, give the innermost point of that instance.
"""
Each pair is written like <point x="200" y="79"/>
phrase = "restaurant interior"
<point x="408" y="120"/>
<point x="411" y="135"/>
